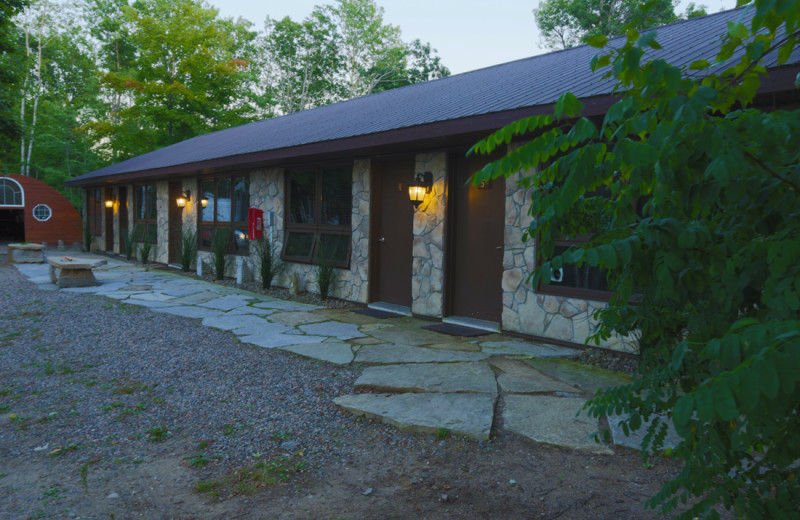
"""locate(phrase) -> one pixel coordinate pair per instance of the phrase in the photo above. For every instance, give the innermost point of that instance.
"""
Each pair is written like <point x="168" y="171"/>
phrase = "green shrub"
<point x="144" y="251"/>
<point x="269" y="261"/>
<point x="127" y="240"/>
<point x="324" y="270"/>
<point x="219" y="249"/>
<point x="188" y="250"/>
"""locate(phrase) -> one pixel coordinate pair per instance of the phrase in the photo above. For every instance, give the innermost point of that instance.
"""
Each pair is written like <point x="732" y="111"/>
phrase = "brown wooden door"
<point x="393" y="231"/>
<point x="123" y="218"/>
<point x="175" y="222"/>
<point x="475" y="253"/>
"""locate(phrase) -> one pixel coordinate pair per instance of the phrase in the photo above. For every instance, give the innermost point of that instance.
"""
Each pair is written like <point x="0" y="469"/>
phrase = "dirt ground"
<point x="451" y="478"/>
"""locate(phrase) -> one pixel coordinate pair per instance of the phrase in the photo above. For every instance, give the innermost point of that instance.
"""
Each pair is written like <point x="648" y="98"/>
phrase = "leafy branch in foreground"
<point x="689" y="193"/>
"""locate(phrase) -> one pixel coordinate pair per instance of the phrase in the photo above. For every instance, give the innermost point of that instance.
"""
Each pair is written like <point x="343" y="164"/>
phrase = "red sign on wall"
<point x="255" y="223"/>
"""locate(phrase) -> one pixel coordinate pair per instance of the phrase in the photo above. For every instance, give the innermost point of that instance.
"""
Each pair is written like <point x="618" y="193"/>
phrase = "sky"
<point x="469" y="34"/>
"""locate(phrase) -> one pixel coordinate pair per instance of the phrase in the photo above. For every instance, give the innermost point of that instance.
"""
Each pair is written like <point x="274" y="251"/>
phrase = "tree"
<point x="338" y="52"/>
<point x="416" y="62"/>
<point x="369" y="48"/>
<point x="566" y="23"/>
<point x="692" y="198"/>
<point x="10" y="67"/>
<point x="300" y="62"/>
<point x="186" y="77"/>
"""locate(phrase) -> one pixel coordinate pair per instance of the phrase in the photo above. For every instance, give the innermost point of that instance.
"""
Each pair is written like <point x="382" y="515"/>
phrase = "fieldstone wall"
<point x="189" y="214"/>
<point x="528" y="312"/>
<point x="161" y="248"/>
<point x="427" y="268"/>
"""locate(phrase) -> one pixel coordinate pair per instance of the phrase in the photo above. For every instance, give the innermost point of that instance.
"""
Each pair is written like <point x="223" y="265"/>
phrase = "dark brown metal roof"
<point x="451" y="110"/>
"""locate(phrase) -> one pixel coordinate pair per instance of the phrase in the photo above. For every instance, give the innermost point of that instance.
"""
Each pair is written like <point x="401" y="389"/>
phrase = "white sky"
<point x="469" y="34"/>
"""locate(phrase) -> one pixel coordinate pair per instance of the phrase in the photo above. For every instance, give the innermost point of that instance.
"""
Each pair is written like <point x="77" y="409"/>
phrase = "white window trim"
<point x="49" y="215"/>
<point x="22" y="191"/>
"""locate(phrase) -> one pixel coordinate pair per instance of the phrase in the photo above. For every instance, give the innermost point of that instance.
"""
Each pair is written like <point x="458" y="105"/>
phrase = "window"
<point x="145" y="214"/>
<point x="10" y="192"/>
<point x="94" y="208"/>
<point x="42" y="212"/>
<point x="582" y="282"/>
<point x="226" y="212"/>
<point x="319" y="209"/>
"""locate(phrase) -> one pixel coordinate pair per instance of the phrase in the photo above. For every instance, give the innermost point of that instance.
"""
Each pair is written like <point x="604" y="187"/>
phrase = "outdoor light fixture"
<point x="110" y="203"/>
<point x="183" y="199"/>
<point x="204" y="201"/>
<point x="419" y="187"/>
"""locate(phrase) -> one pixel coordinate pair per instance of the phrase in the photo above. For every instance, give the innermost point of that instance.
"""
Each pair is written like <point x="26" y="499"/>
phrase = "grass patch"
<point x="255" y="478"/>
<point x="129" y="389"/>
<point x="198" y="460"/>
<point x="209" y="487"/>
<point x="84" y="474"/>
<point x="157" y="434"/>
<point x="67" y="449"/>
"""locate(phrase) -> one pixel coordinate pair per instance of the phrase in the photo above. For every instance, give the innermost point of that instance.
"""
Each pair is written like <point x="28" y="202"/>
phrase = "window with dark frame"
<point x="226" y="212"/>
<point x="94" y="209"/>
<point x="145" y="213"/>
<point x="585" y="281"/>
<point x="576" y="282"/>
<point x="319" y="210"/>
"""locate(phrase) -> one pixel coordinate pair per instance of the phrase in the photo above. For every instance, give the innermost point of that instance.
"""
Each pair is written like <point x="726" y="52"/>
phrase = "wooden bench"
<point x="73" y="272"/>
<point x="25" y="253"/>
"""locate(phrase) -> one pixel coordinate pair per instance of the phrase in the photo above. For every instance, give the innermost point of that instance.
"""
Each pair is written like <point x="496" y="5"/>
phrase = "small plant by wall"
<point x="269" y="261"/>
<point x="188" y="250"/>
<point x="129" y="244"/>
<point x="219" y="249"/>
<point x="145" y="250"/>
<point x="324" y="270"/>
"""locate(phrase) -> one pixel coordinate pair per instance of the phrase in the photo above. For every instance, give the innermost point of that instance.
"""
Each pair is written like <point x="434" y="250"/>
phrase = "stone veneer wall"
<point x="267" y="194"/>
<point x="427" y="268"/>
<point x="524" y="310"/>
<point x="161" y="248"/>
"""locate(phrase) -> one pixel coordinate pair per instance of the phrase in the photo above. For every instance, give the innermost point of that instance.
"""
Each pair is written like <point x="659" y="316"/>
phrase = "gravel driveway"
<point x="111" y="411"/>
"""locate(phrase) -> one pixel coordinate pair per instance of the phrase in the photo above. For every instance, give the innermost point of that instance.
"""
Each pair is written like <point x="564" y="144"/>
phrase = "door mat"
<point x="456" y="330"/>
<point x="377" y="313"/>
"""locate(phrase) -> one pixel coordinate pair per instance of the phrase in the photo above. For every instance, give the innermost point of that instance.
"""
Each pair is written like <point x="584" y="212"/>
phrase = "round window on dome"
<point x="42" y="212"/>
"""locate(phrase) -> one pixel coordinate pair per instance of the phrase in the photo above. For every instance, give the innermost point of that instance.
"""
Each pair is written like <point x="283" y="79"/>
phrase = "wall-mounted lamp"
<point x="204" y="201"/>
<point x="109" y="203"/>
<point x="184" y="197"/>
<point x="419" y="187"/>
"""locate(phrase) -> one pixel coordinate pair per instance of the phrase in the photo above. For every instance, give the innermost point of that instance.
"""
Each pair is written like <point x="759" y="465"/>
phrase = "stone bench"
<point x="25" y="253"/>
<point x="73" y="272"/>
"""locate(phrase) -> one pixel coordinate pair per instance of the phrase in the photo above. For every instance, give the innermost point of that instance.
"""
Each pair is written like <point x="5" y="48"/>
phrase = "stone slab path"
<point x="416" y="379"/>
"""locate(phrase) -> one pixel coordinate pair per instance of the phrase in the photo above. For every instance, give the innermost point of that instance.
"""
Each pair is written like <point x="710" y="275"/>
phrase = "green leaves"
<point x="598" y="40"/>
<point x="689" y="203"/>
<point x="567" y="106"/>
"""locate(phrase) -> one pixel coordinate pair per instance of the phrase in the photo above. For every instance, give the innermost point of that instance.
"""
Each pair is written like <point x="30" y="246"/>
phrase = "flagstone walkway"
<point x="417" y="380"/>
